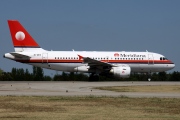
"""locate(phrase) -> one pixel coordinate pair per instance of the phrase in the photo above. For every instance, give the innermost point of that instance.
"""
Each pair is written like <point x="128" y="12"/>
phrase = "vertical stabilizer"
<point x="21" y="39"/>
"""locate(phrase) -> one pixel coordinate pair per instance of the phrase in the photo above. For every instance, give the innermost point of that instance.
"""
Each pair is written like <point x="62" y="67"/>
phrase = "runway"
<point x="53" y="88"/>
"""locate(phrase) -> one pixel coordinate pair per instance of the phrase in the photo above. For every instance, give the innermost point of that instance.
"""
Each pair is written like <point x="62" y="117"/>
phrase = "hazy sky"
<point x="94" y="25"/>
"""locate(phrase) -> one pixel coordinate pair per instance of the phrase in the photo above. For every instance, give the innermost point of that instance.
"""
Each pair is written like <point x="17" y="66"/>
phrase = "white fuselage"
<point x="70" y="61"/>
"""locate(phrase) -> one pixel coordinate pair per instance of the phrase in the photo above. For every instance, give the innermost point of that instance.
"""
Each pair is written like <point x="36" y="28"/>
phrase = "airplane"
<point x="117" y="63"/>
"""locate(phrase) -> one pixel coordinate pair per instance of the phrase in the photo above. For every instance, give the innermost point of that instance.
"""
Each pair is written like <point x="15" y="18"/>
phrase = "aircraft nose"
<point x="171" y="66"/>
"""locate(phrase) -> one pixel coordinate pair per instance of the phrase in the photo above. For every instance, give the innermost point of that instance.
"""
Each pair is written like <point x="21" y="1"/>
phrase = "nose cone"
<point x="171" y="66"/>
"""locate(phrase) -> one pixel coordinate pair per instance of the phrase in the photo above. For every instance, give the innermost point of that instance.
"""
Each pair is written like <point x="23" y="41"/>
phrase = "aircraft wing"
<point x="18" y="55"/>
<point x="92" y="62"/>
<point x="96" y="63"/>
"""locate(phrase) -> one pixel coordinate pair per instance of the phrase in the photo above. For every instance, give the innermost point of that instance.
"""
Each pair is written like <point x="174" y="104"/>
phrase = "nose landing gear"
<point x="149" y="76"/>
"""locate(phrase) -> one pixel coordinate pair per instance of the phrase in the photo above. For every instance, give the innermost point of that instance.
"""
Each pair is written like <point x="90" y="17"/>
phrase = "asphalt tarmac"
<point x="53" y="88"/>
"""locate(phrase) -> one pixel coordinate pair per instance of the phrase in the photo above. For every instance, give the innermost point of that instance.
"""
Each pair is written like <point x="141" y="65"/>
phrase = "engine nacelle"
<point x="82" y="69"/>
<point x="123" y="71"/>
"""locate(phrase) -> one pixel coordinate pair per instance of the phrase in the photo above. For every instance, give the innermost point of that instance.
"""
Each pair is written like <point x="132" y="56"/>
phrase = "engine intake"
<point x="123" y="71"/>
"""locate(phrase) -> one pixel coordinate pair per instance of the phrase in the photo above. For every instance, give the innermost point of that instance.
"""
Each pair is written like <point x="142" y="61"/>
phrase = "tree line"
<point x="19" y="74"/>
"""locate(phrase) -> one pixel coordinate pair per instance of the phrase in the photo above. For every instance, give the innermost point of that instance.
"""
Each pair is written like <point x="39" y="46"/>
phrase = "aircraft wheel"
<point x="93" y="77"/>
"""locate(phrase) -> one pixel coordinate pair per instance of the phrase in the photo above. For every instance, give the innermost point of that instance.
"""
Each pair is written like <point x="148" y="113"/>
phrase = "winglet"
<point x="80" y="57"/>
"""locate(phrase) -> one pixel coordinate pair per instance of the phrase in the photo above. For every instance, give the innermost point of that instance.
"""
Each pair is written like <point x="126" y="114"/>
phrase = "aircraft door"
<point x="44" y="57"/>
<point x="150" y="59"/>
<point x="106" y="59"/>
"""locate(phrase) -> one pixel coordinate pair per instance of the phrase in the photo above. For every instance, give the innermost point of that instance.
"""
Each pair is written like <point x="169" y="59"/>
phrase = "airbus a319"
<point x="118" y="63"/>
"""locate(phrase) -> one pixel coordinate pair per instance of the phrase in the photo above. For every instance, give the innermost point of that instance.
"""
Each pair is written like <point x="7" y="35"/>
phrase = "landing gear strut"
<point x="149" y="76"/>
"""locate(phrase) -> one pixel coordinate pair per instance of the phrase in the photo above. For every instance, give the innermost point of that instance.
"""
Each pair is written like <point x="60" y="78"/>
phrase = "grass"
<point x="150" y="88"/>
<point x="88" y="108"/>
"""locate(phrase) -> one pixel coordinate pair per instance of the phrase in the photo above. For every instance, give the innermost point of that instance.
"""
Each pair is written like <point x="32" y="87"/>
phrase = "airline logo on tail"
<point x="20" y="37"/>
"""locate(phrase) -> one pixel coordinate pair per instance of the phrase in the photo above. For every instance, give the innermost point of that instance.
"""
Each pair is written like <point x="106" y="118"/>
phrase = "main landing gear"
<point x="93" y="77"/>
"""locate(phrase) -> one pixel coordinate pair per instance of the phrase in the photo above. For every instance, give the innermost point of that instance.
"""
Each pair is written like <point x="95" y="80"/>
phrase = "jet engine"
<point x="122" y="71"/>
<point x="82" y="69"/>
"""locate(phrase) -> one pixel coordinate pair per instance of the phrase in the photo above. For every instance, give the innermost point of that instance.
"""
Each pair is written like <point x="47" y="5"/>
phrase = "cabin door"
<point x="45" y="58"/>
<point x="150" y="59"/>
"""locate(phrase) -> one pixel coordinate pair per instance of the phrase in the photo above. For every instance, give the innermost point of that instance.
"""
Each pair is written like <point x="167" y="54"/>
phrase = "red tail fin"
<point x="20" y="37"/>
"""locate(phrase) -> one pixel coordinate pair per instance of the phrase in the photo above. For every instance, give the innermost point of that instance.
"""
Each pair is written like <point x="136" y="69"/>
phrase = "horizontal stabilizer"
<point x="18" y="55"/>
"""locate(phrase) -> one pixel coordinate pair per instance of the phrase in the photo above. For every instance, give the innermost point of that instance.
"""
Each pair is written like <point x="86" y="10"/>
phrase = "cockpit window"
<point x="163" y="58"/>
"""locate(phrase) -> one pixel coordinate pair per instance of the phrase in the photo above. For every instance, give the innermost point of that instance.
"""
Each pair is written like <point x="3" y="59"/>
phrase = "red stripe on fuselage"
<point x="108" y="61"/>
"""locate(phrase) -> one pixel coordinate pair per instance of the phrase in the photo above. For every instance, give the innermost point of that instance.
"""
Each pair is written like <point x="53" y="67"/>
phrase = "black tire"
<point x="93" y="78"/>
